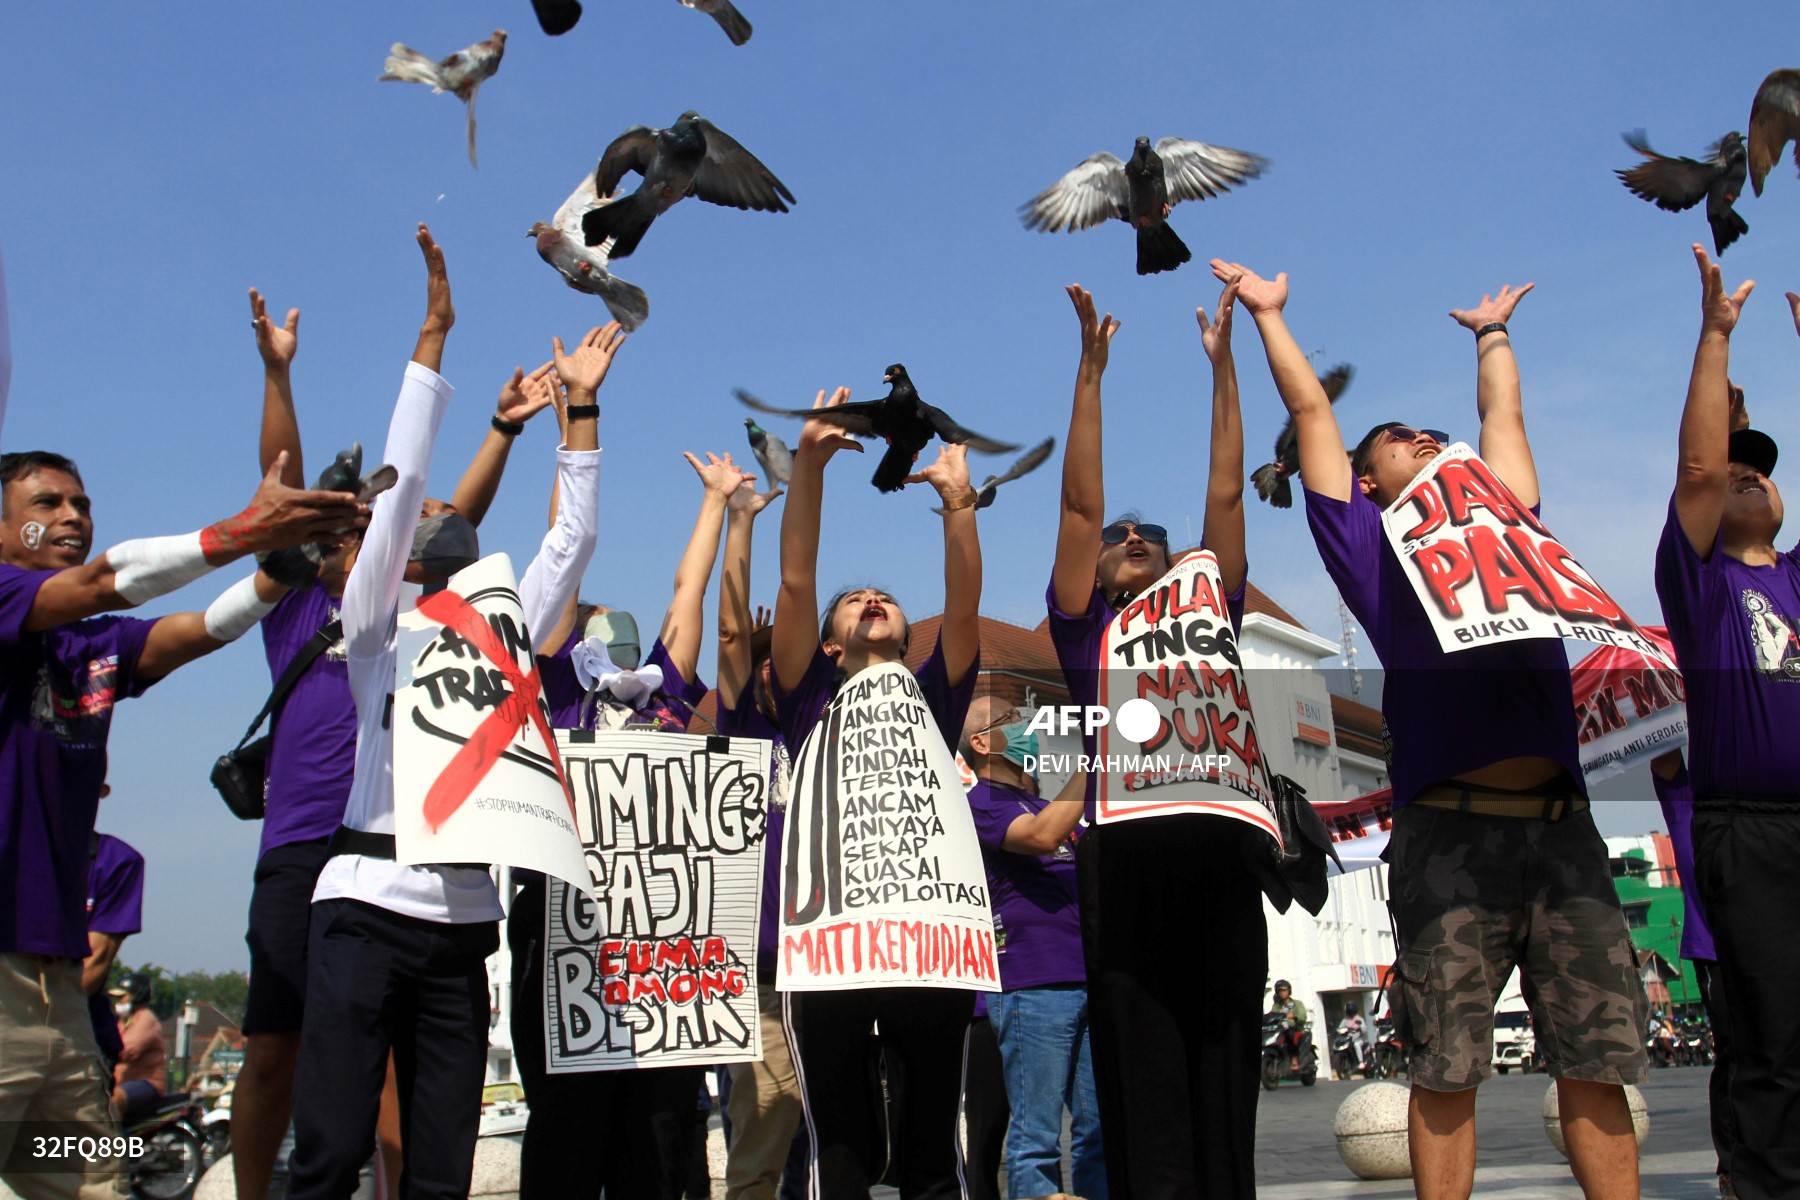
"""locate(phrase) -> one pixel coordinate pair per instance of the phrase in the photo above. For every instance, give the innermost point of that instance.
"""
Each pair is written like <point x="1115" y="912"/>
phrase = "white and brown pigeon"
<point x="588" y="268"/>
<point x="462" y="73"/>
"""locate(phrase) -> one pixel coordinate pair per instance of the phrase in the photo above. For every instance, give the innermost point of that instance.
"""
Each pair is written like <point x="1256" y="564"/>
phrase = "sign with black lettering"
<point x="655" y="965"/>
<point x="1628" y="708"/>
<point x="1487" y="570"/>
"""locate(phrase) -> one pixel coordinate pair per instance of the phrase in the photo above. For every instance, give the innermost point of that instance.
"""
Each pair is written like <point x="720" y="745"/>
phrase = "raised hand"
<point x="276" y="343"/>
<point x="1719" y="311"/>
<point x="440" y="313"/>
<point x="524" y="396"/>
<point x="586" y="368"/>
<point x="1493" y="310"/>
<point x="1215" y="335"/>
<point x="746" y="499"/>
<point x="765" y="618"/>
<point x="720" y="475"/>
<point x="819" y="440"/>
<point x="949" y="474"/>
<point x="1258" y="294"/>
<point x="280" y="516"/>
<point x="1096" y="333"/>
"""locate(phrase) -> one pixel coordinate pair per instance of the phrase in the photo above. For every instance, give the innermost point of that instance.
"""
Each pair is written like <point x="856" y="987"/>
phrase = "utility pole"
<point x="1347" y="644"/>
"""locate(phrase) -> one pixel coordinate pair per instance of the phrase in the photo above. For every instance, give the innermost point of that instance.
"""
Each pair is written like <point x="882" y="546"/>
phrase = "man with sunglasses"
<point x="1041" y="1014"/>
<point x="1494" y="859"/>
<point x="1732" y="603"/>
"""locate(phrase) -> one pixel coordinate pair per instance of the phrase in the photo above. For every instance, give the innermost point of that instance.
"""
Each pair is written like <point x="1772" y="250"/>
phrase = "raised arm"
<point x="180" y="638"/>
<point x="1498" y="399"/>
<point x="1046" y="829"/>
<point x="277" y="344"/>
<point x="521" y="398"/>
<point x="550" y="583"/>
<point x="960" y="633"/>
<point x="372" y="592"/>
<point x="796" y="635"/>
<point x="1083" y="487"/>
<point x="681" y="625"/>
<point x="1702" y="475"/>
<point x="1324" y="466"/>
<point x="735" y="622"/>
<point x="1224" y="523"/>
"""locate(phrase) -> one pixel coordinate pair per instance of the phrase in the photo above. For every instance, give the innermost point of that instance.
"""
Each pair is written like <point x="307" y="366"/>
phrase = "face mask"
<point x="620" y="633"/>
<point x="122" y="1010"/>
<point x="1021" y="744"/>
<point x="445" y="544"/>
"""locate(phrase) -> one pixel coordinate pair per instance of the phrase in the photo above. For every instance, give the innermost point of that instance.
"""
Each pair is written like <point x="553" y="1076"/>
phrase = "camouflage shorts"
<point x="1475" y="896"/>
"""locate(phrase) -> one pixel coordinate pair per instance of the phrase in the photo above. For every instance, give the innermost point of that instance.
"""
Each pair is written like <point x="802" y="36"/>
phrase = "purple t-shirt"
<point x="1077" y="638"/>
<point x="313" y="755"/>
<point x="1037" y="914"/>
<point x="1736" y="630"/>
<point x="60" y="686"/>
<point x="1446" y="714"/>
<point x="801" y="708"/>
<point x="115" y="905"/>
<point x="745" y="719"/>
<point x="1677" y="799"/>
<point x="670" y="708"/>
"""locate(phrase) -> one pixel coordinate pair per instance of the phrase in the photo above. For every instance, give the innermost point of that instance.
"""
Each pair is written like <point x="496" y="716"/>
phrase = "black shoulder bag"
<point x="241" y="775"/>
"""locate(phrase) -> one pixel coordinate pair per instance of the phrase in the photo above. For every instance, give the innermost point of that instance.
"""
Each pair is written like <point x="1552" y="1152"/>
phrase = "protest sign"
<point x="1487" y="570"/>
<point x="655" y="965"/>
<point x="1359" y="828"/>
<point x="477" y="778"/>
<point x="881" y="875"/>
<point x="1629" y="708"/>
<point x="1173" y="647"/>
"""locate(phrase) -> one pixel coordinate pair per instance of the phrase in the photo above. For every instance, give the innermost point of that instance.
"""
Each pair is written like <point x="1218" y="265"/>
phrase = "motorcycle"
<point x="174" y="1153"/>
<point x="1696" y="1045"/>
<point x="1389" y="1057"/>
<point x="1347" y="1051"/>
<point x="1660" y="1047"/>
<point x="1276" y="1064"/>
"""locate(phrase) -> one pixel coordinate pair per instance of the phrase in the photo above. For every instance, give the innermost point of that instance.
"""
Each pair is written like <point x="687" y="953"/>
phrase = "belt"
<point x="1534" y="808"/>
<point x="345" y="840"/>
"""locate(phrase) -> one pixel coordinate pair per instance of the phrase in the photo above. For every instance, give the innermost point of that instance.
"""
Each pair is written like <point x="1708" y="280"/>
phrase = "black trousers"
<point x="625" y="1134"/>
<point x="922" y="1036"/>
<point x="377" y="981"/>
<point x="985" y="1110"/>
<point x="1177" y="953"/>
<point x="1718" y="1087"/>
<point x="1744" y="858"/>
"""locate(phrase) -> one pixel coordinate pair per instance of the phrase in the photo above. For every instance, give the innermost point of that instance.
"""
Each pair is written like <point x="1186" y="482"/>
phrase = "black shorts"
<point x="280" y="916"/>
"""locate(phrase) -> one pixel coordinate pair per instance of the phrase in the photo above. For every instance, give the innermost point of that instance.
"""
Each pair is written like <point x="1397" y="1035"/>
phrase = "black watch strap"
<point x="510" y="429"/>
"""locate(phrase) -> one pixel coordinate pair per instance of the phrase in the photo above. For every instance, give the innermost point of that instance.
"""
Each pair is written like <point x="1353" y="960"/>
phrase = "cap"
<point x="1753" y="448"/>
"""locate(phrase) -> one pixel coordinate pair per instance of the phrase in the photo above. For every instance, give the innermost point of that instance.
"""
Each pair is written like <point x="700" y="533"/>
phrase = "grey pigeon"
<point x="1028" y="462"/>
<point x="462" y="73"/>
<point x="297" y="566"/>
<point x="1677" y="184"/>
<point x="729" y="18"/>
<point x="690" y="158"/>
<point x="772" y="454"/>
<point x="1141" y="192"/>
<point x="1774" y="122"/>
<point x="1271" y="479"/>
<point x="584" y="267"/>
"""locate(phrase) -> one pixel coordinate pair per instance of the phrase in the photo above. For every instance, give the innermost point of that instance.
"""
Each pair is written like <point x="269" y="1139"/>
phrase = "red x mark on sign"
<point x="477" y="756"/>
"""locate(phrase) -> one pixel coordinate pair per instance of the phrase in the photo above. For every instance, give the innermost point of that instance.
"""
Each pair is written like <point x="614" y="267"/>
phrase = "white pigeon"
<point x="461" y="74"/>
<point x="586" y="268"/>
<point x="729" y="18"/>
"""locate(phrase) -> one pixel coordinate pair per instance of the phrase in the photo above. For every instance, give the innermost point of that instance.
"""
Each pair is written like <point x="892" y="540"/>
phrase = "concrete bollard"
<point x="1371" y="1131"/>
<point x="1640" y="1118"/>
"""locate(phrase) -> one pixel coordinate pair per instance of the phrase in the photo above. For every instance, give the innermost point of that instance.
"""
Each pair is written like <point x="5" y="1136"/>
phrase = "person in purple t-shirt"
<point x="1486" y="777"/>
<point x="628" y="1132"/>
<point x="1175" y="1036"/>
<point x="922" y="1028"/>
<point x="312" y="756"/>
<point x="1041" y="1015"/>
<point x="1731" y="600"/>
<point x="63" y="668"/>
<point x="115" y="911"/>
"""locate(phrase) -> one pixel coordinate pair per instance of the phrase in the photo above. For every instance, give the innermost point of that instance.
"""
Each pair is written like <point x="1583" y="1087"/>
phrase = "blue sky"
<point x="160" y="160"/>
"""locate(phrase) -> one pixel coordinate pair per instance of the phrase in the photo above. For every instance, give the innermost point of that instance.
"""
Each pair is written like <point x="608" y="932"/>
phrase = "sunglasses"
<point x="1406" y="433"/>
<point x="1113" y="535"/>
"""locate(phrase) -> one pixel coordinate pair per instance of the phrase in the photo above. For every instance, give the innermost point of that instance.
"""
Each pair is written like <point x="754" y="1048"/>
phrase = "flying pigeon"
<point x="584" y="267"/>
<point x="1028" y="462"/>
<point x="1774" y="122"/>
<point x="1271" y="479"/>
<point x="905" y="420"/>
<point x="462" y="73"/>
<point x="1677" y="184"/>
<point x="729" y="18"/>
<point x="1141" y="193"/>
<point x="297" y="566"/>
<point x="772" y="454"/>
<point x="556" y="17"/>
<point x="692" y="157"/>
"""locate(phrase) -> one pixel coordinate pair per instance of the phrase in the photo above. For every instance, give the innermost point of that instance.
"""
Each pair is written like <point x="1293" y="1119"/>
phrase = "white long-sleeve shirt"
<point x="371" y="607"/>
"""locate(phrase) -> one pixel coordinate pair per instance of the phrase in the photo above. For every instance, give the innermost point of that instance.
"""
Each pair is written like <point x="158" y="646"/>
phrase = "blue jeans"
<point x="1043" y="1036"/>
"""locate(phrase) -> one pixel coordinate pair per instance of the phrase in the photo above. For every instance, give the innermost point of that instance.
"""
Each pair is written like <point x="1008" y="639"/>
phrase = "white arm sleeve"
<point x="145" y="568"/>
<point x="553" y="577"/>
<point x="236" y="611"/>
<point x="372" y="593"/>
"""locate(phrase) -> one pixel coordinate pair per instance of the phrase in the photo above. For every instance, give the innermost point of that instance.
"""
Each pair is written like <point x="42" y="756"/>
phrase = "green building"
<point x="1654" y="913"/>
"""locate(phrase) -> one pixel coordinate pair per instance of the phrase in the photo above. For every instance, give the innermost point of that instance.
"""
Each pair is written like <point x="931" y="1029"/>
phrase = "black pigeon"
<point x="556" y="17"/>
<point x="1774" y="122"/>
<point x="772" y="453"/>
<point x="905" y="420"/>
<point x="1141" y="192"/>
<point x="690" y="158"/>
<point x="297" y="566"/>
<point x="1028" y="462"/>
<point x="1677" y="184"/>
<point x="1271" y="479"/>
